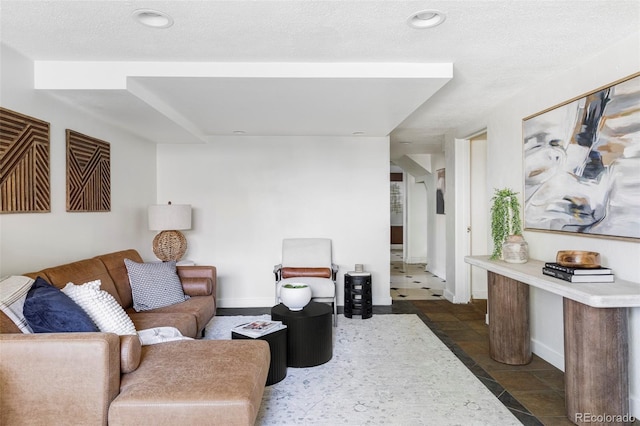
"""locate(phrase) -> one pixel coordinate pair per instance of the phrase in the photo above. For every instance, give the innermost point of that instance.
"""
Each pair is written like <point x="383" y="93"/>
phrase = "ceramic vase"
<point x="515" y="249"/>
<point x="295" y="296"/>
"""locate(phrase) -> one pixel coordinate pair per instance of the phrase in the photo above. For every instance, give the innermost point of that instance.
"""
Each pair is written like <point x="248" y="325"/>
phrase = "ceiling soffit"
<point x="218" y="99"/>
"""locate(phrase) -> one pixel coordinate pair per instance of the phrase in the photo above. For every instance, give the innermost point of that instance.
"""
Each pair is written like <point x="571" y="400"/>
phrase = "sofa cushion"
<point x="114" y="262"/>
<point x="49" y="310"/>
<point x="227" y="389"/>
<point x="82" y="271"/>
<point x="184" y="322"/>
<point x="154" y="285"/>
<point x="101" y="307"/>
<point x="202" y="309"/>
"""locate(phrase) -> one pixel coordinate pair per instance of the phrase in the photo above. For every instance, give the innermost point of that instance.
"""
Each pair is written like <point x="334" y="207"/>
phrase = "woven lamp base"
<point x="169" y="245"/>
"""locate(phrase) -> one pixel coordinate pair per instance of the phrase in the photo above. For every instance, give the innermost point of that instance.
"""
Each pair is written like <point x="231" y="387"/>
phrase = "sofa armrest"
<point x="58" y="378"/>
<point x="130" y="352"/>
<point x="198" y="280"/>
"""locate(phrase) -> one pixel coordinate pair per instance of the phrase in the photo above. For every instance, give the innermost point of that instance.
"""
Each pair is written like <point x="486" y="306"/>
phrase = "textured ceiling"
<point x="496" y="47"/>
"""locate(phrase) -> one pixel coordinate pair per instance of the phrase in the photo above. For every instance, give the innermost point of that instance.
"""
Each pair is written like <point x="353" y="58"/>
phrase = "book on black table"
<point x="597" y="278"/>
<point x="578" y="271"/>
<point x="258" y="328"/>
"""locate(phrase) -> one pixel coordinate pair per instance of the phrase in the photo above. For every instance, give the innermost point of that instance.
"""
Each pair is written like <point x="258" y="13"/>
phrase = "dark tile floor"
<point x="534" y="393"/>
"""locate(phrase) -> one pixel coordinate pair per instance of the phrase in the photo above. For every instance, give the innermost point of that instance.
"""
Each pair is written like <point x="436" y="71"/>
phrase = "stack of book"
<point x="258" y="328"/>
<point x="578" y="275"/>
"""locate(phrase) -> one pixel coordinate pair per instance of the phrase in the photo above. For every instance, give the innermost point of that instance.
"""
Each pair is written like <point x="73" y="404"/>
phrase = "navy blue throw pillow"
<point x="49" y="310"/>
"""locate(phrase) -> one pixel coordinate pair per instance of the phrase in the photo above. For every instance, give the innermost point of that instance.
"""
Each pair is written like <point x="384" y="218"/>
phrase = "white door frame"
<point x="462" y="160"/>
<point x="462" y="287"/>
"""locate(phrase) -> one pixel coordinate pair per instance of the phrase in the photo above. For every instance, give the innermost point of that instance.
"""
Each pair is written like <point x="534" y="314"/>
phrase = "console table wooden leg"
<point x="596" y="356"/>
<point x="509" y="335"/>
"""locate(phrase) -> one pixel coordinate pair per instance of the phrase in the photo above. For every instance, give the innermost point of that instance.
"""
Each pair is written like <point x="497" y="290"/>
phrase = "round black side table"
<point x="278" y="349"/>
<point x="309" y="333"/>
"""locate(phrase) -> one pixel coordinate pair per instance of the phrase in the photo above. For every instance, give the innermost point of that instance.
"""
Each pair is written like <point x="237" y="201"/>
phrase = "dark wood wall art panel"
<point x="88" y="174"/>
<point x="24" y="164"/>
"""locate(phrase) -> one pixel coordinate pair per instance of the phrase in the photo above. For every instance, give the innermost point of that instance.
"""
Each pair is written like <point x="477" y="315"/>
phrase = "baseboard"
<point x="270" y="301"/>
<point x="634" y="406"/>
<point x="449" y="296"/>
<point x="435" y="272"/>
<point x="414" y="260"/>
<point x="396" y="246"/>
<point x="480" y="295"/>
<point x="246" y="303"/>
<point x="545" y="352"/>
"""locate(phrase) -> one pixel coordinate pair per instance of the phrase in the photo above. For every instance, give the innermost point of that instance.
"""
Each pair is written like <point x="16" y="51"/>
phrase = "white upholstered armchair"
<point x="309" y="261"/>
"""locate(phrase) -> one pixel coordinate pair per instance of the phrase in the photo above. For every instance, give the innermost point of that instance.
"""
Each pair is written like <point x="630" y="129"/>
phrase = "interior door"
<point x="479" y="214"/>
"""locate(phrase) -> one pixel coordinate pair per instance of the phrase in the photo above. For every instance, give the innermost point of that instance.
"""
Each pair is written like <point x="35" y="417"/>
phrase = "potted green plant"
<point x="506" y="227"/>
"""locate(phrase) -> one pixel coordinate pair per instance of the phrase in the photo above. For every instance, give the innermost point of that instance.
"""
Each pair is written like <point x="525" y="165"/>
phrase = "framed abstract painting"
<point x="582" y="164"/>
<point x="440" y="190"/>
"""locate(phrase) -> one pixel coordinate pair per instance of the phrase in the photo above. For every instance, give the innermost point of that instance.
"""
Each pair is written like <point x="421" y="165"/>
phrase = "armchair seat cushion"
<point x="320" y="287"/>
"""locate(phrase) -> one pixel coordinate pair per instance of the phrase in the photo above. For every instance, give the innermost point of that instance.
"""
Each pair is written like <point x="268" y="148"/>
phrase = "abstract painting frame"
<point x="440" y="190"/>
<point x="88" y="173"/>
<point x="582" y="164"/>
<point x="25" y="163"/>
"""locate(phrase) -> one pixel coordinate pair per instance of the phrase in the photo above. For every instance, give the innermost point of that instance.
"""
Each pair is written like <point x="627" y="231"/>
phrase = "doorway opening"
<point x="409" y="202"/>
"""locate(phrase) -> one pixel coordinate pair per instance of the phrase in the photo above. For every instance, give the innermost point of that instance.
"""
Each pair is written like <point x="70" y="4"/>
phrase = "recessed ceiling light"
<point x="357" y="133"/>
<point x="239" y="132"/>
<point x="406" y="142"/>
<point x="152" y="18"/>
<point x="426" y="19"/>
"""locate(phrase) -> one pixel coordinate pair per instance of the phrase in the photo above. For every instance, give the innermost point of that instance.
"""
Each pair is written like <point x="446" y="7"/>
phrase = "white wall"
<point x="31" y="241"/>
<point x="504" y="159"/>
<point x="437" y="249"/>
<point x="248" y="193"/>
<point x="416" y="241"/>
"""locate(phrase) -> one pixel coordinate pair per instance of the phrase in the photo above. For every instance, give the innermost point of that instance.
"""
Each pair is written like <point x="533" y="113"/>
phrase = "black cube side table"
<point x="357" y="294"/>
<point x="278" y="348"/>
<point x="309" y="333"/>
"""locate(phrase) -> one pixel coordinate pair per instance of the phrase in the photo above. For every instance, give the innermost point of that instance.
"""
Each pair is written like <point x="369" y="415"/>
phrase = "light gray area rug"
<point x="385" y="370"/>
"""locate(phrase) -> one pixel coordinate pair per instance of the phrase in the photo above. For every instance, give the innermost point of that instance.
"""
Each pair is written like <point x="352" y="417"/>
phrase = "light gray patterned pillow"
<point x="154" y="285"/>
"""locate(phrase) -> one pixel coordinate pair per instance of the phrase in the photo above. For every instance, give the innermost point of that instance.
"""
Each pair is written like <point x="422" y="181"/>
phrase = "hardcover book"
<point x="578" y="271"/>
<point x="608" y="278"/>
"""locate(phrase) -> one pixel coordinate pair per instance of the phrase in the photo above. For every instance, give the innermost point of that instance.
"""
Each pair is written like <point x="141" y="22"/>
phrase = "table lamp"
<point x="170" y="243"/>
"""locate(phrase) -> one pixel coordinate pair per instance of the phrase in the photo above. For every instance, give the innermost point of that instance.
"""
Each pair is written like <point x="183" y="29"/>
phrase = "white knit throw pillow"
<point x="101" y="307"/>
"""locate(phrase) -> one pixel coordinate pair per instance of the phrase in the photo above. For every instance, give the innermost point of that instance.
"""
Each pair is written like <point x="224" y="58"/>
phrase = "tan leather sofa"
<point x="103" y="378"/>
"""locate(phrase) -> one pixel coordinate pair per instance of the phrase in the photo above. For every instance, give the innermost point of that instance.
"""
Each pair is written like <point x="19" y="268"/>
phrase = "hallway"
<point x="412" y="282"/>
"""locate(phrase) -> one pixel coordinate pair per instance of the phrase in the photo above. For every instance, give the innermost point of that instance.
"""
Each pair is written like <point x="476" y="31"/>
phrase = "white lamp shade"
<point x="164" y="217"/>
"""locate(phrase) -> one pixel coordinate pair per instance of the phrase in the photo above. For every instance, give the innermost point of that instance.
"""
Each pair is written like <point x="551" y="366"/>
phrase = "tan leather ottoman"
<point x="194" y="382"/>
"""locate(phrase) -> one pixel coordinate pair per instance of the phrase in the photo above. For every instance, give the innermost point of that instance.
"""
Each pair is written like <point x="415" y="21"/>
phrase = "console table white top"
<point x="618" y="294"/>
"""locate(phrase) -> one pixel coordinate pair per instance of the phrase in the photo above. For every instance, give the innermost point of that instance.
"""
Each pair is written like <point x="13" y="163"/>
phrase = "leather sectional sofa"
<point x="103" y="378"/>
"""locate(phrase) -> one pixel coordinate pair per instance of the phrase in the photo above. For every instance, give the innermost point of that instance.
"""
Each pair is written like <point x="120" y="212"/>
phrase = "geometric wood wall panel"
<point x="88" y="173"/>
<point x="24" y="164"/>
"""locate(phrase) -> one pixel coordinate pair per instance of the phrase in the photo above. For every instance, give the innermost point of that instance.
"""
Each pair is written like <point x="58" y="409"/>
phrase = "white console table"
<point x="596" y="353"/>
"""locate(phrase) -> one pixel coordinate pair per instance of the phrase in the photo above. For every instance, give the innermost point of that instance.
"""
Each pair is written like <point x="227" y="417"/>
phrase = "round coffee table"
<point x="309" y="333"/>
